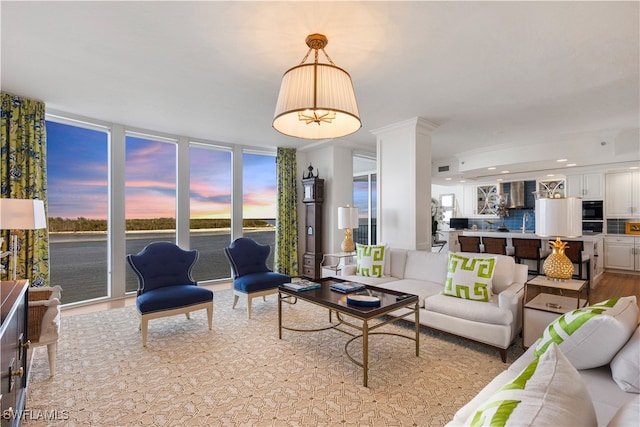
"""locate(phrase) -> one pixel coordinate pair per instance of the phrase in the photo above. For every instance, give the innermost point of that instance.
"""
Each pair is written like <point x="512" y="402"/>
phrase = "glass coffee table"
<point x="370" y="317"/>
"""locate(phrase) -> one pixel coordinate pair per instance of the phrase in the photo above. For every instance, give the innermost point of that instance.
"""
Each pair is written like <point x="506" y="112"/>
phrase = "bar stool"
<point x="573" y="251"/>
<point x="528" y="249"/>
<point x="495" y="245"/>
<point x="469" y="243"/>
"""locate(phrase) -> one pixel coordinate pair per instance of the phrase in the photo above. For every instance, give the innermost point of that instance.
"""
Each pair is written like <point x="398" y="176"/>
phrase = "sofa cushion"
<point x="625" y="366"/>
<point x="627" y="415"/>
<point x="469" y="277"/>
<point x="370" y="260"/>
<point x="591" y="336"/>
<point x="422" y="288"/>
<point x="423" y="265"/>
<point x="477" y="311"/>
<point x="504" y="272"/>
<point x="547" y="392"/>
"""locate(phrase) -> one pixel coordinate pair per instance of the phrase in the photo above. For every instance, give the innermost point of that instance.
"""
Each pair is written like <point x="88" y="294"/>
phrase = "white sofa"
<point x="495" y="323"/>
<point x="613" y="388"/>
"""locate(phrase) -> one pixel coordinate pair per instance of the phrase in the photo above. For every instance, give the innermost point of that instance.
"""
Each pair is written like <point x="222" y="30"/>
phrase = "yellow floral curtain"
<point x="23" y="175"/>
<point x="286" y="253"/>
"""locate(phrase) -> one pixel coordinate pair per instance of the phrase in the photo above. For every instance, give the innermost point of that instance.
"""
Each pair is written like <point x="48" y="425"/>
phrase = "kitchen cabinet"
<point x="589" y="186"/>
<point x="551" y="189"/>
<point x="479" y="200"/>
<point x="623" y="195"/>
<point x="622" y="252"/>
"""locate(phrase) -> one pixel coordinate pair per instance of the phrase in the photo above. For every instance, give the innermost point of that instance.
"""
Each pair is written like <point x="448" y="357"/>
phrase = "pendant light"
<point x="316" y="100"/>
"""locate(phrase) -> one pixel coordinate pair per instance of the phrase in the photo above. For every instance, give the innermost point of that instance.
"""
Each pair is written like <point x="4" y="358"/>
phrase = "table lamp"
<point x="561" y="217"/>
<point x="20" y="214"/>
<point x="347" y="219"/>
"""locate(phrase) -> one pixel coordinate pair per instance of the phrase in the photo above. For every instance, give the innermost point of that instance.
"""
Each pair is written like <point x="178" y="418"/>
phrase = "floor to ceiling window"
<point x="259" y="201"/>
<point x="210" y="210"/>
<point x="77" y="196"/>
<point x="150" y="190"/>
<point x="112" y="191"/>
<point x="365" y="199"/>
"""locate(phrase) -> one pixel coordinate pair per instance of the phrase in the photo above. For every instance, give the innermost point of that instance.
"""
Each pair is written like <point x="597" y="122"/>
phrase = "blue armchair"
<point x="165" y="286"/>
<point x="251" y="276"/>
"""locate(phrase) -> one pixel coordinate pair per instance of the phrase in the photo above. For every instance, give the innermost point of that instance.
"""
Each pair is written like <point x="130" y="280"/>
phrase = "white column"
<point x="404" y="184"/>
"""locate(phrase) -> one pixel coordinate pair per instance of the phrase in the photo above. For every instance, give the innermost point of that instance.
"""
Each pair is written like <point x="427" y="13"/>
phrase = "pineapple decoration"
<point x="557" y="265"/>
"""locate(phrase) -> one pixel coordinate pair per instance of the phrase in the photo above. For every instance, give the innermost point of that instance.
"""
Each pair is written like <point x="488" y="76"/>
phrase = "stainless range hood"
<point x="515" y="192"/>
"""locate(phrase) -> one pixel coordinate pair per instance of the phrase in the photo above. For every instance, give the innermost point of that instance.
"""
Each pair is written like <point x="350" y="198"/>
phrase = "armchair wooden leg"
<point x="235" y="301"/>
<point x="188" y="317"/>
<point x="52" y="349"/>
<point x="144" y="324"/>
<point x="210" y="316"/>
<point x="249" y="306"/>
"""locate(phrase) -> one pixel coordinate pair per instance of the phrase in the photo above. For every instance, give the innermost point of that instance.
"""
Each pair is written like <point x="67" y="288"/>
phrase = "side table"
<point x="335" y="262"/>
<point x="542" y="308"/>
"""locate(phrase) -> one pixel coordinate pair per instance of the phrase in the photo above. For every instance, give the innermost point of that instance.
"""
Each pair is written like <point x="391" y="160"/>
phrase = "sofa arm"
<point x="511" y="299"/>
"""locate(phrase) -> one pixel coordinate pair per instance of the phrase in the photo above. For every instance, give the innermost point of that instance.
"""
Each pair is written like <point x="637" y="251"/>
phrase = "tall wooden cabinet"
<point x="313" y="199"/>
<point x="13" y="349"/>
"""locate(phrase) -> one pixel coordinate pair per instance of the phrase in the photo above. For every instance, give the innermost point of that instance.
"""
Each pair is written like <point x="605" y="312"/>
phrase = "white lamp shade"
<point x="316" y="87"/>
<point x="559" y="217"/>
<point x="347" y="217"/>
<point x="22" y="214"/>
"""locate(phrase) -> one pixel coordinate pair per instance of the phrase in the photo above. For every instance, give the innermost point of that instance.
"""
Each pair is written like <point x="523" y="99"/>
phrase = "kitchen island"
<point x="593" y="246"/>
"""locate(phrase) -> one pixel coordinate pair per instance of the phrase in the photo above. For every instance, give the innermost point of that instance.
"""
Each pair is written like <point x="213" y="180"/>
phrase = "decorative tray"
<point x="363" y="300"/>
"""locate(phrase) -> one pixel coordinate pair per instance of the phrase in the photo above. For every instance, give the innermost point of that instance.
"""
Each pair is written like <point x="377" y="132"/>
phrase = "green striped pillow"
<point x="591" y="336"/>
<point x="548" y="392"/>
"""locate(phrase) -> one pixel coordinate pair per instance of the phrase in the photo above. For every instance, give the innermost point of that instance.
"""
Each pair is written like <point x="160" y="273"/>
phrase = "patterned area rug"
<point x="241" y="374"/>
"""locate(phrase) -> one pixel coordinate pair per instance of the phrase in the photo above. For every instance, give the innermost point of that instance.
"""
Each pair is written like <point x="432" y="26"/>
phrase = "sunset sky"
<point x="77" y="178"/>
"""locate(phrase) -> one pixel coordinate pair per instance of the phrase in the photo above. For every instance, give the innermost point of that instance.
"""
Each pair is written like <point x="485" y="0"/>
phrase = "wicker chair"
<point x="469" y="243"/>
<point x="573" y="251"/>
<point x="495" y="245"/>
<point x="43" y="321"/>
<point x="529" y="249"/>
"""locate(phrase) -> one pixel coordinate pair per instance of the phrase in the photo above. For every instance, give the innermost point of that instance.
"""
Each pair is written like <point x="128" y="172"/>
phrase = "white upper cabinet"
<point x="589" y="186"/>
<point x="623" y="195"/>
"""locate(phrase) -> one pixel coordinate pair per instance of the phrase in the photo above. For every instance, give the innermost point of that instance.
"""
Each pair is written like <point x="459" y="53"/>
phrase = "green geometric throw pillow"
<point x="591" y="336"/>
<point x="469" y="278"/>
<point x="548" y="392"/>
<point x="370" y="260"/>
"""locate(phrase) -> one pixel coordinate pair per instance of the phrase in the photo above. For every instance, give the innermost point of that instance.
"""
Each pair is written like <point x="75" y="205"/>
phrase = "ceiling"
<point x="516" y="84"/>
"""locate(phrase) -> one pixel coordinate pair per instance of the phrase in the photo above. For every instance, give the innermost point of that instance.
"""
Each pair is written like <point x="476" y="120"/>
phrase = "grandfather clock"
<point x="313" y="198"/>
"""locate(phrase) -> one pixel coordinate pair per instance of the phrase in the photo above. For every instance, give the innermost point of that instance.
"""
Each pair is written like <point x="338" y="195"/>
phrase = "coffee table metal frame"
<point x="337" y="302"/>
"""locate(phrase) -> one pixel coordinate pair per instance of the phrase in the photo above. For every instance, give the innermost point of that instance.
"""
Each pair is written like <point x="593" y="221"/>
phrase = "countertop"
<point x="591" y="237"/>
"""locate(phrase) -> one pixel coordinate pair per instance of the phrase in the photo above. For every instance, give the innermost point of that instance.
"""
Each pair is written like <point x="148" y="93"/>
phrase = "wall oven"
<point x="592" y="210"/>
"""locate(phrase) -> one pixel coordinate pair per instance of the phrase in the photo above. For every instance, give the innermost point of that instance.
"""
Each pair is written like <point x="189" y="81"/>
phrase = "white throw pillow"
<point x="469" y="277"/>
<point x="591" y="336"/>
<point x="625" y="366"/>
<point x="370" y="260"/>
<point x="548" y="392"/>
<point x="627" y="415"/>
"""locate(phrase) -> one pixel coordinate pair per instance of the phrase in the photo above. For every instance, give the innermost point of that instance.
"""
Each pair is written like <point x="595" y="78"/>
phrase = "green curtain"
<point x="23" y="175"/>
<point x="286" y="254"/>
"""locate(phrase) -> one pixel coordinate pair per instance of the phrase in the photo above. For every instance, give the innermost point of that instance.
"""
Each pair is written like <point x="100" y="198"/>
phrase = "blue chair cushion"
<point x="171" y="297"/>
<point x="260" y="281"/>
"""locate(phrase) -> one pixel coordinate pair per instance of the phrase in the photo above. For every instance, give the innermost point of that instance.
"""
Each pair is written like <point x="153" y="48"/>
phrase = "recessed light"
<point x="463" y="181"/>
<point x="504" y="171"/>
<point x="499" y="179"/>
<point x="492" y="168"/>
<point x="633" y="167"/>
<point x="447" y="179"/>
<point x="562" y="160"/>
<point x="571" y="165"/>
<point x="550" y="175"/>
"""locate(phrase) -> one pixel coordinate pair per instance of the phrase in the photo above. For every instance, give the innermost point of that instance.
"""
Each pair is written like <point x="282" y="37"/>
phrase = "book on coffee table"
<point x="346" y="287"/>
<point x="302" y="285"/>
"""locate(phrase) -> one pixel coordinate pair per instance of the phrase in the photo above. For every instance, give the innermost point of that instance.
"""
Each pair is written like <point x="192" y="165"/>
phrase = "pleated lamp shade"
<point x="347" y="217"/>
<point x="559" y="217"/>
